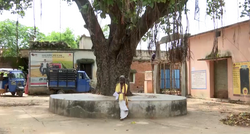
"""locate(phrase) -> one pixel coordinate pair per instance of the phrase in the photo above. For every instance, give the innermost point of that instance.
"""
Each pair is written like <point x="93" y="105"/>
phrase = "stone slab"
<point x="98" y="106"/>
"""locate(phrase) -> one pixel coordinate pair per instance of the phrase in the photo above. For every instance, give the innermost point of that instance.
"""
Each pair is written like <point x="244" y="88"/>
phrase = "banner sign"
<point x="241" y="78"/>
<point x="41" y="62"/>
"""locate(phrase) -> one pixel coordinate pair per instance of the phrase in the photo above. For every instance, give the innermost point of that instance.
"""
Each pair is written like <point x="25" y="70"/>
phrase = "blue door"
<point x="167" y="74"/>
<point x="162" y="79"/>
<point x="82" y="82"/>
<point x="176" y="79"/>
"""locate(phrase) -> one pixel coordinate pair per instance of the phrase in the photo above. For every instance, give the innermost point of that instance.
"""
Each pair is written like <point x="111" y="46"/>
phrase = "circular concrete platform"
<point x="98" y="106"/>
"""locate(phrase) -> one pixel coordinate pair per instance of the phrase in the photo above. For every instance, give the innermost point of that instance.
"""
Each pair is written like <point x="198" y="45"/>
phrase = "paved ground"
<point x="30" y="115"/>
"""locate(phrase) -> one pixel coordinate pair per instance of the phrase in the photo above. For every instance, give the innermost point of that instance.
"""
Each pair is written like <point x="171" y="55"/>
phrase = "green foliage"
<point x="78" y="40"/>
<point x="147" y="36"/>
<point x="67" y="36"/>
<point x="169" y="22"/>
<point x="21" y="68"/>
<point x="15" y="6"/>
<point x="105" y="31"/>
<point x="246" y="8"/>
<point x="8" y="37"/>
<point x="131" y="9"/>
<point x="215" y="8"/>
<point x="46" y="45"/>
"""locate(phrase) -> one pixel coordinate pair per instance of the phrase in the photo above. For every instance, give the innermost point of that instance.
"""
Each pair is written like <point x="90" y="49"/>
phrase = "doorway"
<point x="221" y="79"/>
<point x="87" y="68"/>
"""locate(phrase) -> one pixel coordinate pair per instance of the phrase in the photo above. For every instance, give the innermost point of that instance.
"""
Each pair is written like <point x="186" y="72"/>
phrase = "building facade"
<point x="85" y="42"/>
<point x="227" y="75"/>
<point x="141" y="72"/>
<point x="83" y="58"/>
<point x="137" y="74"/>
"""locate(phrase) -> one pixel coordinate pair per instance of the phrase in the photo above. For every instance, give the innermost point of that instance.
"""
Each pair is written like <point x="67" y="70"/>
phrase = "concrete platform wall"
<point x="97" y="106"/>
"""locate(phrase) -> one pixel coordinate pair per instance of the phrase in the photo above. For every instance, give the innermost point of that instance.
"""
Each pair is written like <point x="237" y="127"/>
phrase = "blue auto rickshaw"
<point x="14" y="82"/>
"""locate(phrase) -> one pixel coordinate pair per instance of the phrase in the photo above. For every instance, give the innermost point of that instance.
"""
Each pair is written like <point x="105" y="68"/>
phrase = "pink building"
<point x="226" y="76"/>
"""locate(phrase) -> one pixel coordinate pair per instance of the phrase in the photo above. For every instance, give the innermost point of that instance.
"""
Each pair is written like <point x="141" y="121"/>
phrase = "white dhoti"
<point x="1" y="84"/>
<point x="123" y="109"/>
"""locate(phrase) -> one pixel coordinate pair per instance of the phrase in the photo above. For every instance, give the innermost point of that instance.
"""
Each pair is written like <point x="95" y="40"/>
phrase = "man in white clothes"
<point x="43" y="67"/>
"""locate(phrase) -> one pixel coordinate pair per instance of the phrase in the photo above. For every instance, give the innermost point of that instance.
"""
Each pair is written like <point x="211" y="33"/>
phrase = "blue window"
<point x="175" y="79"/>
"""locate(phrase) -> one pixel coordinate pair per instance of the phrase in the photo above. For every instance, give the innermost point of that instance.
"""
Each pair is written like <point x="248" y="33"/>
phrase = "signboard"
<point x="241" y="78"/>
<point x="148" y="75"/>
<point x="199" y="79"/>
<point x="41" y="62"/>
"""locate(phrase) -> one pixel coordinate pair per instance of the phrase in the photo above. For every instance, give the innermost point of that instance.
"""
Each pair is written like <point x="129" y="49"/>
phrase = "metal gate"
<point x="220" y="79"/>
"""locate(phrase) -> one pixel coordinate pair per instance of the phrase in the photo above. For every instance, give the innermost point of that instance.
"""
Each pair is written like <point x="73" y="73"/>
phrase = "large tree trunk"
<point x="115" y="54"/>
<point x="110" y="66"/>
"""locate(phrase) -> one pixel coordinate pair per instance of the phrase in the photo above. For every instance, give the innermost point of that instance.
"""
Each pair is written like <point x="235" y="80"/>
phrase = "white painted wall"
<point x="85" y="42"/>
<point x="145" y="55"/>
<point x="87" y="54"/>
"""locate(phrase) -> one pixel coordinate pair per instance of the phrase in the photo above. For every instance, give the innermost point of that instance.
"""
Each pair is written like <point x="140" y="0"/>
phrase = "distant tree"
<point x="11" y="42"/>
<point x="245" y="6"/>
<point x="78" y="40"/>
<point x="67" y="36"/>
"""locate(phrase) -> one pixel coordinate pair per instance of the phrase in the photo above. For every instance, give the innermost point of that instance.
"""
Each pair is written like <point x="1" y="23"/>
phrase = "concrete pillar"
<point x="156" y="74"/>
<point x="156" y="79"/>
<point x="183" y="79"/>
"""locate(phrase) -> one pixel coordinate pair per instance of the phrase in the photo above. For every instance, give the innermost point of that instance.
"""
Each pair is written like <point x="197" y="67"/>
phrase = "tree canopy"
<point x="67" y="36"/>
<point x="15" y="36"/>
<point x="13" y="39"/>
<point x="15" y="6"/>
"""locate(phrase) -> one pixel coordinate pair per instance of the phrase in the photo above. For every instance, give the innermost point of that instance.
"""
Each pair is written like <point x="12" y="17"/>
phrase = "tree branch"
<point x="147" y="20"/>
<point x="92" y="23"/>
<point x="118" y="30"/>
<point x="151" y="15"/>
<point x="114" y="13"/>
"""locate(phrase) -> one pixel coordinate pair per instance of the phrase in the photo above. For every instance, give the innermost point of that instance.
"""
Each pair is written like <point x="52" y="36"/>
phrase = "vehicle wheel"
<point x="13" y="93"/>
<point x="60" y="92"/>
<point x="20" y="93"/>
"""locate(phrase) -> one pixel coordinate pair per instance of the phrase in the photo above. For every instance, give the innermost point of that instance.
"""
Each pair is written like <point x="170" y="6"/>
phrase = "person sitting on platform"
<point x="121" y="89"/>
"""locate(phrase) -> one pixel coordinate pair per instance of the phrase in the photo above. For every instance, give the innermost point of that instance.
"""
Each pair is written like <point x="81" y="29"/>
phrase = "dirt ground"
<point x="30" y="115"/>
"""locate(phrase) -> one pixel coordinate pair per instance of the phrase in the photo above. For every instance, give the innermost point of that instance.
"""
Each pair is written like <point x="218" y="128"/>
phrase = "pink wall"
<point x="200" y="46"/>
<point x="211" y="79"/>
<point x="234" y="39"/>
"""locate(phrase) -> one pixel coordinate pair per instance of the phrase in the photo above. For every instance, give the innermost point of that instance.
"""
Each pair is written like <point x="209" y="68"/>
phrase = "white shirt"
<point x="44" y="64"/>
